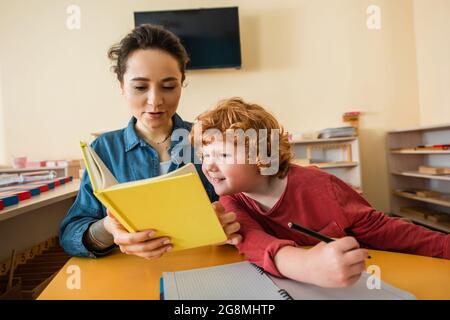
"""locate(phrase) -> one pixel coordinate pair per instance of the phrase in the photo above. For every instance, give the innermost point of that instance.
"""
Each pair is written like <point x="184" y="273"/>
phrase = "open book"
<point x="246" y="281"/>
<point x="175" y="204"/>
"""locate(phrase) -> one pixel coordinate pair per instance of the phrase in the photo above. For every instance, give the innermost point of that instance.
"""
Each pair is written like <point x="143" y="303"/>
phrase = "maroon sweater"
<point x="322" y="202"/>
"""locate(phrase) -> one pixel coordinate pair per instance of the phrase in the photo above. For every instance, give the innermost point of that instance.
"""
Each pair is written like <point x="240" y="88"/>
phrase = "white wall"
<point x="2" y="127"/>
<point x="432" y="29"/>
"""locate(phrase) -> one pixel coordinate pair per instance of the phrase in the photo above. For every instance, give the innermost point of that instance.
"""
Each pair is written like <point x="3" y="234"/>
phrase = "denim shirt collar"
<point x="132" y="139"/>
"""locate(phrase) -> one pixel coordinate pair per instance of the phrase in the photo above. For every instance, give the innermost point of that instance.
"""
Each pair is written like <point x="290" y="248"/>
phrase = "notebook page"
<point x="236" y="281"/>
<point x="358" y="291"/>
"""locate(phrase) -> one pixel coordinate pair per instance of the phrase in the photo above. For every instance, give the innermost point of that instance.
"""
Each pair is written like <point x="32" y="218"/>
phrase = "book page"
<point x="101" y="177"/>
<point x="236" y="281"/>
<point x="188" y="168"/>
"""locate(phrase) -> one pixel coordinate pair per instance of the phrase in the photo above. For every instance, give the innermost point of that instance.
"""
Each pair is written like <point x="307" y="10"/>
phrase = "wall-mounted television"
<point x="210" y="36"/>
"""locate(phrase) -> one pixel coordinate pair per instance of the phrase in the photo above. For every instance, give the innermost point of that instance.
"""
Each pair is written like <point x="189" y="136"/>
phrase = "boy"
<point x="265" y="203"/>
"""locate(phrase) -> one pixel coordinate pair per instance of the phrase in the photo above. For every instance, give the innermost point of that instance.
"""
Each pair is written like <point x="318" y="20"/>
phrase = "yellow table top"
<point x="120" y="276"/>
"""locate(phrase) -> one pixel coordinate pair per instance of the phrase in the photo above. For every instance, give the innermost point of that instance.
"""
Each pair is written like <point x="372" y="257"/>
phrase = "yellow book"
<point x="175" y="204"/>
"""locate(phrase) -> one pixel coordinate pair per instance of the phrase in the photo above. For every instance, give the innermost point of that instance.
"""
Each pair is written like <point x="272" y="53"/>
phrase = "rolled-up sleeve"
<point x="85" y="210"/>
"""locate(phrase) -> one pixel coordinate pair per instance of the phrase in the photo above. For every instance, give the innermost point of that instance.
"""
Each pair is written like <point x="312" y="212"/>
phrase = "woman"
<point x="150" y="66"/>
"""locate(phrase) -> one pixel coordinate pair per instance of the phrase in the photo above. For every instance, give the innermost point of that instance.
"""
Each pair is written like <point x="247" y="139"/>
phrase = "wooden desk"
<point x="35" y="220"/>
<point x="121" y="276"/>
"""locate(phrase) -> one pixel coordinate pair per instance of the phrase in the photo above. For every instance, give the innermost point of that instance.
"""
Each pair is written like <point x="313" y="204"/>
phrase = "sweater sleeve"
<point x="258" y="246"/>
<point x="379" y="231"/>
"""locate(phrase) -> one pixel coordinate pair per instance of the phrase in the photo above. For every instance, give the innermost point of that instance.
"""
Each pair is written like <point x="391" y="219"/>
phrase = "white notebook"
<point x="246" y="281"/>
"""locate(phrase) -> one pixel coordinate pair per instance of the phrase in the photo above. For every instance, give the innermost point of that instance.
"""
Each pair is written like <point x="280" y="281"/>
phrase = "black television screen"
<point x="210" y="36"/>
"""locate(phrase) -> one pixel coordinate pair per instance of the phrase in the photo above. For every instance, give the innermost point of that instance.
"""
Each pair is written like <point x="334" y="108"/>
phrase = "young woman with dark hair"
<point x="150" y="65"/>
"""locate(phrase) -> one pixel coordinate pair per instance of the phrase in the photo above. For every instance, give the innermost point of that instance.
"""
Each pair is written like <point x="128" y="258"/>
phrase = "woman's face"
<point x="152" y="87"/>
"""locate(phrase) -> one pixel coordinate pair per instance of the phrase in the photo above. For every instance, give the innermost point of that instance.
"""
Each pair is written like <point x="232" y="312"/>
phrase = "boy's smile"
<point x="227" y="176"/>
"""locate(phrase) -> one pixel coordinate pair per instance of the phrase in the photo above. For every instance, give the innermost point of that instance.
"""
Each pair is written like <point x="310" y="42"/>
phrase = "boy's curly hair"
<point x="235" y="113"/>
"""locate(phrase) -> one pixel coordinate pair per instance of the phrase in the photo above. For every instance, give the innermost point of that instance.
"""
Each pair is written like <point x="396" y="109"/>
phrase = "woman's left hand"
<point x="229" y="223"/>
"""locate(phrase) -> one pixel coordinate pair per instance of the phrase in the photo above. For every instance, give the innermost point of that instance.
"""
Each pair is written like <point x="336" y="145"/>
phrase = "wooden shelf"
<point x="337" y="156"/>
<point x="419" y="151"/>
<point x="12" y="170"/>
<point x="298" y="141"/>
<point x="441" y="202"/>
<point x="329" y="165"/>
<point x="442" y="226"/>
<point x="424" y="128"/>
<point x="417" y="174"/>
<point x="68" y="190"/>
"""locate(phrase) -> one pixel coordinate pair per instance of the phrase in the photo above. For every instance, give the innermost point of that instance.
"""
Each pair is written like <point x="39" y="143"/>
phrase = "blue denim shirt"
<point x="129" y="158"/>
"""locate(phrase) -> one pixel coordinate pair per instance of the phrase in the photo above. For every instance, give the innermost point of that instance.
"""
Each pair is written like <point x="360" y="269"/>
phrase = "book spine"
<point x="161" y="288"/>
<point x="83" y="146"/>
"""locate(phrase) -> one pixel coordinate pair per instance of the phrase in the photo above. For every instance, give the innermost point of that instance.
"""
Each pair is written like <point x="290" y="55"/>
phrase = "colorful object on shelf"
<point x="36" y="164"/>
<point x="9" y="200"/>
<point x="433" y="147"/>
<point x="352" y="118"/>
<point x="12" y="195"/>
<point x="19" y="162"/>
<point x="23" y="195"/>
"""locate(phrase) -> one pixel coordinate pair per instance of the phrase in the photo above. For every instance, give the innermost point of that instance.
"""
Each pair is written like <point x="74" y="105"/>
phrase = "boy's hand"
<point x="333" y="265"/>
<point x="336" y="264"/>
<point x="140" y="243"/>
<point x="230" y="226"/>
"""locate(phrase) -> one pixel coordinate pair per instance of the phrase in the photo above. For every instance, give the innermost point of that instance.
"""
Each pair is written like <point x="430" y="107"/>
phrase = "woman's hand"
<point x="229" y="223"/>
<point x="334" y="265"/>
<point x="142" y="244"/>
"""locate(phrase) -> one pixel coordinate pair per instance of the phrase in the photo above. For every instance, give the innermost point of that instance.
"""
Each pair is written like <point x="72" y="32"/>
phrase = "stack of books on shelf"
<point x="337" y="132"/>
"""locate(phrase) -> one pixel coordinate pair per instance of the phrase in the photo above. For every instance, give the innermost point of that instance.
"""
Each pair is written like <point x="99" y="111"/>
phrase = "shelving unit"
<point x="337" y="156"/>
<point x="60" y="171"/>
<point x="417" y="174"/>
<point x="404" y="175"/>
<point x="71" y="169"/>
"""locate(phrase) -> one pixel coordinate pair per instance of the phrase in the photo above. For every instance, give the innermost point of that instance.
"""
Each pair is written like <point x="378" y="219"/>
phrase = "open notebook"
<point x="245" y="281"/>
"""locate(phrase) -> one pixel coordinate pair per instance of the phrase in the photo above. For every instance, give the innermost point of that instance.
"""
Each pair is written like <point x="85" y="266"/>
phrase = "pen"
<point x="312" y="233"/>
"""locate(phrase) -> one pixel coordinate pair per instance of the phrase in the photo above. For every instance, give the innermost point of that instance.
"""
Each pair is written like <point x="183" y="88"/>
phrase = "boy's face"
<point x="224" y="173"/>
